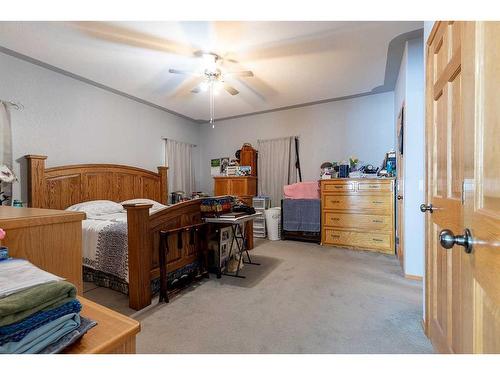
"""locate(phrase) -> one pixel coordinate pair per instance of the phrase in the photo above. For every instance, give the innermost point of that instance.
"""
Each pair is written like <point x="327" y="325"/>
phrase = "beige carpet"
<point x="304" y="298"/>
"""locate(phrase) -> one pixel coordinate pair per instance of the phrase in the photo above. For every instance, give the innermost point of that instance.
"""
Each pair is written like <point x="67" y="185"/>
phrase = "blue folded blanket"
<point x="302" y="215"/>
<point x="17" y="331"/>
<point x="70" y="338"/>
<point x="40" y="338"/>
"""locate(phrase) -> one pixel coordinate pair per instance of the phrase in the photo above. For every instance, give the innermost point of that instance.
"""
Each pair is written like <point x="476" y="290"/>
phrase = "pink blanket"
<point x="302" y="190"/>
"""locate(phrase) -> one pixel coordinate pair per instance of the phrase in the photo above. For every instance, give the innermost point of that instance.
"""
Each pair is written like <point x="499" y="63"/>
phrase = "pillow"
<point x="101" y="207"/>
<point x="156" y="205"/>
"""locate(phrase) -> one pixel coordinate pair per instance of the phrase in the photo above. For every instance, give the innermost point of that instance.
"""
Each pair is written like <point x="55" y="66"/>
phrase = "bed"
<point x="301" y="212"/>
<point x="137" y="227"/>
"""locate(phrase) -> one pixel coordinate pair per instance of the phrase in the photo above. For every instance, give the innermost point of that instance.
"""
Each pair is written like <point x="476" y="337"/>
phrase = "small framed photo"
<point x="224" y="162"/>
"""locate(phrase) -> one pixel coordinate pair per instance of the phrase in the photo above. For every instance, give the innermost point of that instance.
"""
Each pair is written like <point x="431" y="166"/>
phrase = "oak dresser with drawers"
<point x="358" y="213"/>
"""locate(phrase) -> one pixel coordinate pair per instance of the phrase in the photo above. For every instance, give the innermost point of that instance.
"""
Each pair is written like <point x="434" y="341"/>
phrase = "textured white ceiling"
<point x="293" y="62"/>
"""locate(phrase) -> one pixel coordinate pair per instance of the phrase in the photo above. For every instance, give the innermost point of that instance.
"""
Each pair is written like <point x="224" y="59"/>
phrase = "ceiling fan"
<point x="213" y="73"/>
<point x="213" y="77"/>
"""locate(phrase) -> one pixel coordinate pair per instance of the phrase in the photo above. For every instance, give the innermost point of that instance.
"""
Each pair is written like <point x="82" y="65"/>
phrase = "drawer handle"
<point x="377" y="202"/>
<point x="377" y="221"/>
<point x="335" y="219"/>
<point x="335" y="235"/>
<point x="377" y="240"/>
<point x="334" y="201"/>
<point x="374" y="186"/>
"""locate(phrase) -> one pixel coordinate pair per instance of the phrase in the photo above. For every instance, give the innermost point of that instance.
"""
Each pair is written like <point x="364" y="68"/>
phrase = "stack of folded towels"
<point x="39" y="312"/>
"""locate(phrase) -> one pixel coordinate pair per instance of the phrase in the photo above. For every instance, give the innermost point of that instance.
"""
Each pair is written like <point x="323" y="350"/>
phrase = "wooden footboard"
<point x="63" y="186"/>
<point x="144" y="241"/>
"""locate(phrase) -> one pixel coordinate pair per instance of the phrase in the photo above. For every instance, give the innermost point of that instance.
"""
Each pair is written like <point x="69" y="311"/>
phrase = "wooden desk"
<point x="50" y="239"/>
<point x="114" y="334"/>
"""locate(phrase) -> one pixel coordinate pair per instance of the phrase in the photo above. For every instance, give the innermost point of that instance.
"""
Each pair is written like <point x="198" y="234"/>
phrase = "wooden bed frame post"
<point x="139" y="255"/>
<point x="36" y="180"/>
<point x="162" y="171"/>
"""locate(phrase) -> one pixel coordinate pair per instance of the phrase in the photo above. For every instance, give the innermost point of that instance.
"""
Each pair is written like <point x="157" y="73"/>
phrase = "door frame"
<point x="400" y="172"/>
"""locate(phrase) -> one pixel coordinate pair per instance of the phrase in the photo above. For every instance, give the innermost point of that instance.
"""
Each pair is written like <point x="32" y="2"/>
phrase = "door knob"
<point x="424" y="207"/>
<point x="399" y="197"/>
<point x="447" y="240"/>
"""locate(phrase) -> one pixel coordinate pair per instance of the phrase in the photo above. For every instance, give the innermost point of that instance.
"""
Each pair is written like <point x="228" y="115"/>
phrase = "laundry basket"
<point x="273" y="223"/>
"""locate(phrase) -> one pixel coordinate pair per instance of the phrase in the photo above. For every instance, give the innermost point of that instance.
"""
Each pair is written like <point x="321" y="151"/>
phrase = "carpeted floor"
<point x="304" y="298"/>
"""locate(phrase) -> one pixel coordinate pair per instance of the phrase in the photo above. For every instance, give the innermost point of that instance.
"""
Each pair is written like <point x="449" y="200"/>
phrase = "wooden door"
<point x="445" y="176"/>
<point x="400" y="188"/>
<point x="481" y="116"/>
<point x="463" y="185"/>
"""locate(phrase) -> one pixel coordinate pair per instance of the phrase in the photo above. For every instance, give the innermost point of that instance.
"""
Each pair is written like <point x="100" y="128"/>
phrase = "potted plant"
<point x="353" y="162"/>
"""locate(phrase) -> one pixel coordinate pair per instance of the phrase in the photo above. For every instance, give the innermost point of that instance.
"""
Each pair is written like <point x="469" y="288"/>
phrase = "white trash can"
<point x="273" y="223"/>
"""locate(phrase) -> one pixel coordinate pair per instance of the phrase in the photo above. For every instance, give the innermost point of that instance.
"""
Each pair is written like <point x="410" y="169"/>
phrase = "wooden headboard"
<point x="61" y="187"/>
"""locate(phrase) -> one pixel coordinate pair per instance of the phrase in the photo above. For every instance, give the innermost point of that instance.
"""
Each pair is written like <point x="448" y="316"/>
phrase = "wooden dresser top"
<point x="378" y="179"/>
<point x="18" y="217"/>
<point x="235" y="177"/>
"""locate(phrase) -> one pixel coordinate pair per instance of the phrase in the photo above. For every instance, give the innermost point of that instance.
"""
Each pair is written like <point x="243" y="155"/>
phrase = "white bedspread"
<point x="104" y="235"/>
<point x="94" y="234"/>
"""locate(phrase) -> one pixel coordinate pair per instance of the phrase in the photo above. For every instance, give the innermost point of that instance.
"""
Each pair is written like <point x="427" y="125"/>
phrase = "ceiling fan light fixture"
<point x="204" y="86"/>
<point x="210" y="62"/>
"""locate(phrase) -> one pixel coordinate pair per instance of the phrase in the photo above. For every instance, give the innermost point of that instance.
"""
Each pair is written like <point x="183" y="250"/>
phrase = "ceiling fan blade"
<point x="230" y="89"/>
<point x="200" y="53"/>
<point x="185" y="72"/>
<point x="244" y="73"/>
<point x="188" y="86"/>
<point x="118" y="34"/>
<point x="196" y="90"/>
<point x="227" y="57"/>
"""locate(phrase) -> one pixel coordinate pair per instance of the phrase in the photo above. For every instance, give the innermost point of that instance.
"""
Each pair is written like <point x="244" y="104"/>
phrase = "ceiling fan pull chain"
<point x="212" y="105"/>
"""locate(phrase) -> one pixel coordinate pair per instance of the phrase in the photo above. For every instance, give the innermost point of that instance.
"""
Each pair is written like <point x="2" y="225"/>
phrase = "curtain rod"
<point x="17" y="105"/>
<point x="191" y="144"/>
<point x="273" y="139"/>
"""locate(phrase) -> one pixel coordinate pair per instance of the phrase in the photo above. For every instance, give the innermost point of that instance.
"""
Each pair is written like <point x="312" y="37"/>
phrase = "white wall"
<point x="74" y="122"/>
<point x="328" y="132"/>
<point x="400" y="89"/>
<point x="410" y="90"/>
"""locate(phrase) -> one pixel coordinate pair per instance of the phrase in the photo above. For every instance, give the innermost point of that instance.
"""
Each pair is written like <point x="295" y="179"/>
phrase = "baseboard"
<point x="424" y="327"/>
<point x="413" y="277"/>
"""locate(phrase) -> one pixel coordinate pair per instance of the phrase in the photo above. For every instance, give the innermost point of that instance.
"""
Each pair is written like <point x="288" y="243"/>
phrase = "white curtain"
<point x="5" y="145"/>
<point x="179" y="160"/>
<point x="276" y="166"/>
